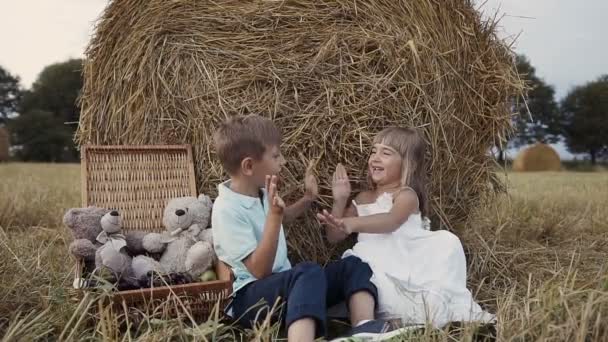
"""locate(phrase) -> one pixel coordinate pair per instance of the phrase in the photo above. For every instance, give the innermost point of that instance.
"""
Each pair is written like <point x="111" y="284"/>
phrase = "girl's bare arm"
<point x="340" y="209"/>
<point x="405" y="203"/>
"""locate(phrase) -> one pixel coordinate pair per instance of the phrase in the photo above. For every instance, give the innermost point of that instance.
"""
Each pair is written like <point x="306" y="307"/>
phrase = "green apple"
<point x="208" y="276"/>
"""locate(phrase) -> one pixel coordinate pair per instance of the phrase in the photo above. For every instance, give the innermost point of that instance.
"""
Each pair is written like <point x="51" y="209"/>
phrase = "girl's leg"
<point x="349" y="280"/>
<point x="361" y="306"/>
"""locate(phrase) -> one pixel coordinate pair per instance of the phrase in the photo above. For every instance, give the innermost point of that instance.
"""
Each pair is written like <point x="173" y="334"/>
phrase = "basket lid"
<point x="137" y="180"/>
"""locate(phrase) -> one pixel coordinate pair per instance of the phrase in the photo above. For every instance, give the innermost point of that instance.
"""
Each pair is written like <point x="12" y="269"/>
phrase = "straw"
<point x="330" y="73"/>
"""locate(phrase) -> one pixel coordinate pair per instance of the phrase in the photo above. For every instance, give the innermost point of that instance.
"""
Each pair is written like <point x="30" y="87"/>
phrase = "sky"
<point x="565" y="40"/>
<point x="36" y="33"/>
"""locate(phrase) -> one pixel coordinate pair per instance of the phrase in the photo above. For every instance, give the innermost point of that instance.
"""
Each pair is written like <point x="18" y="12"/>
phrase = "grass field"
<point x="537" y="258"/>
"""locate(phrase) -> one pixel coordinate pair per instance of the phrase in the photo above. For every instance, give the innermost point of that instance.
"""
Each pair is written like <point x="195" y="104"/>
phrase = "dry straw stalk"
<point x="330" y="73"/>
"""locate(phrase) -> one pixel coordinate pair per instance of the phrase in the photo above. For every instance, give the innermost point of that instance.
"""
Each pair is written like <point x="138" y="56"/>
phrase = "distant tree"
<point x="10" y="94"/>
<point x="40" y="136"/>
<point x="53" y="101"/>
<point x="56" y="90"/>
<point x="539" y="117"/>
<point x="585" y="112"/>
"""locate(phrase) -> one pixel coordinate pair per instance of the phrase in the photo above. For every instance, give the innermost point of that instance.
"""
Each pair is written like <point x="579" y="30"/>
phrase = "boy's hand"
<point x="340" y="185"/>
<point x="277" y="206"/>
<point x="331" y="222"/>
<point x="311" y="186"/>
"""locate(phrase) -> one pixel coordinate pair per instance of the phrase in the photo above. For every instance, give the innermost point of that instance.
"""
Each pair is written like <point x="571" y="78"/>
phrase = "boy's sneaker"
<point x="374" y="330"/>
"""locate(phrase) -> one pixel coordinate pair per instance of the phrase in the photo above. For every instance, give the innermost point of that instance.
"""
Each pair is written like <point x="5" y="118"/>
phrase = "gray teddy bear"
<point x="98" y="242"/>
<point x="112" y="254"/>
<point x="186" y="246"/>
<point x="85" y="225"/>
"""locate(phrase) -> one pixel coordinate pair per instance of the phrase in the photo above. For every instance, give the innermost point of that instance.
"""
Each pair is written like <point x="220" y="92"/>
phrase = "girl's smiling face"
<point x="384" y="165"/>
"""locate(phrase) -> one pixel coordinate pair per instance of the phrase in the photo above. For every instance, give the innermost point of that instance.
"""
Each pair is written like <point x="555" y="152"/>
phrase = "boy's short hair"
<point x="242" y="137"/>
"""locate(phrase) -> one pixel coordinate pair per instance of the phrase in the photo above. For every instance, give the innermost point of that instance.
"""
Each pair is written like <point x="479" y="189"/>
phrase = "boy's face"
<point x="271" y="163"/>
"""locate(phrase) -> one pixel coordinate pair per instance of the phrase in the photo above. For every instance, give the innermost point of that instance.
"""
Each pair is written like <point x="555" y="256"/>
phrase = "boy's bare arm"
<point x="311" y="191"/>
<point x="259" y="262"/>
<point x="297" y="209"/>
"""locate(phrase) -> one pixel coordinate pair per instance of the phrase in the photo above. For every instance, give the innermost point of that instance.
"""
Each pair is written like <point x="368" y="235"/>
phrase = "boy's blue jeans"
<point x="305" y="291"/>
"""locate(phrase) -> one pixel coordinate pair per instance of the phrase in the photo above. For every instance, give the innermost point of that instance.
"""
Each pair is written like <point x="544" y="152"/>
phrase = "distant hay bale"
<point x="538" y="157"/>
<point x="330" y="73"/>
<point x="5" y="144"/>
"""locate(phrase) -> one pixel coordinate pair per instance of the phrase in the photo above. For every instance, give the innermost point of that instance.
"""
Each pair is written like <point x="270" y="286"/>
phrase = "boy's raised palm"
<point x="340" y="185"/>
<point x="277" y="206"/>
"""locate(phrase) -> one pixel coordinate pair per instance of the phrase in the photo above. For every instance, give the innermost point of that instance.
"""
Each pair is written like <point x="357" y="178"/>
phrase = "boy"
<point x="248" y="236"/>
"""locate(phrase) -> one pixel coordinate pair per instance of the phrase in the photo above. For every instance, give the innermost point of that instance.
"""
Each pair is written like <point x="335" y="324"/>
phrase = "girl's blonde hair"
<point x="412" y="148"/>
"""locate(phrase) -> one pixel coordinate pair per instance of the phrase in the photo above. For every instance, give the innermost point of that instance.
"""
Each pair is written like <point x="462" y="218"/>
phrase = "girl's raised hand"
<point x="330" y="221"/>
<point x="340" y="184"/>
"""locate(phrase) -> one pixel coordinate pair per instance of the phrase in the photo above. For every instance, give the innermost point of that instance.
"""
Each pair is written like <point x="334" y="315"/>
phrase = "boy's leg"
<point x="349" y="280"/>
<point x="301" y="291"/>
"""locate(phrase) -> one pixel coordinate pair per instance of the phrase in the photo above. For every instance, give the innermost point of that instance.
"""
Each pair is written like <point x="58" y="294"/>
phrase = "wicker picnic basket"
<point x="138" y="181"/>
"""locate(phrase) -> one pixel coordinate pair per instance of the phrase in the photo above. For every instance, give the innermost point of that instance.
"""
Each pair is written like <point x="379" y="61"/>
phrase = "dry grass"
<point x="37" y="195"/>
<point x="331" y="74"/>
<point x="536" y="257"/>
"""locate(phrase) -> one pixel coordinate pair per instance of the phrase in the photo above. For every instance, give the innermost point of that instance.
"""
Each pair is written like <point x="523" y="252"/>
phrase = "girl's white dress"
<point x="420" y="274"/>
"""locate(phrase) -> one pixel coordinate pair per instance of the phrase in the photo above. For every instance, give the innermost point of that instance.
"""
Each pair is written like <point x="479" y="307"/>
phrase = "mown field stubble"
<point x="536" y="256"/>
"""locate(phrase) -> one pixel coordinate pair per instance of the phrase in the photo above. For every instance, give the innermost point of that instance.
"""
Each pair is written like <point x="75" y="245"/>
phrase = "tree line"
<point x="42" y="120"/>
<point x="580" y="119"/>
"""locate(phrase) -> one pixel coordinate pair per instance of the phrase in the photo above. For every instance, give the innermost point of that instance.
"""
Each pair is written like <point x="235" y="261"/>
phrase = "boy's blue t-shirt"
<point x="238" y="224"/>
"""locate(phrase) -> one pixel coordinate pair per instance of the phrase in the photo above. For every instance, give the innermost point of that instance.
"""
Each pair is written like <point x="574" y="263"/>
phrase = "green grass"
<point x="536" y="258"/>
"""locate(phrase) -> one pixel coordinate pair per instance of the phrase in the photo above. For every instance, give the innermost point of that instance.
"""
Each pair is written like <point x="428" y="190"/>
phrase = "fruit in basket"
<point x="154" y="279"/>
<point x="208" y="276"/>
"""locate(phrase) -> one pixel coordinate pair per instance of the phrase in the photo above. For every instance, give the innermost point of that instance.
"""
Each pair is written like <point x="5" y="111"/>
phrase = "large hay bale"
<point x="5" y="144"/>
<point x="330" y="73"/>
<point x="538" y="157"/>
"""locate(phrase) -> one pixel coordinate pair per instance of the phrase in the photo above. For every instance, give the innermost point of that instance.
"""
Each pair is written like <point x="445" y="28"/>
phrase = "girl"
<point x="420" y="274"/>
